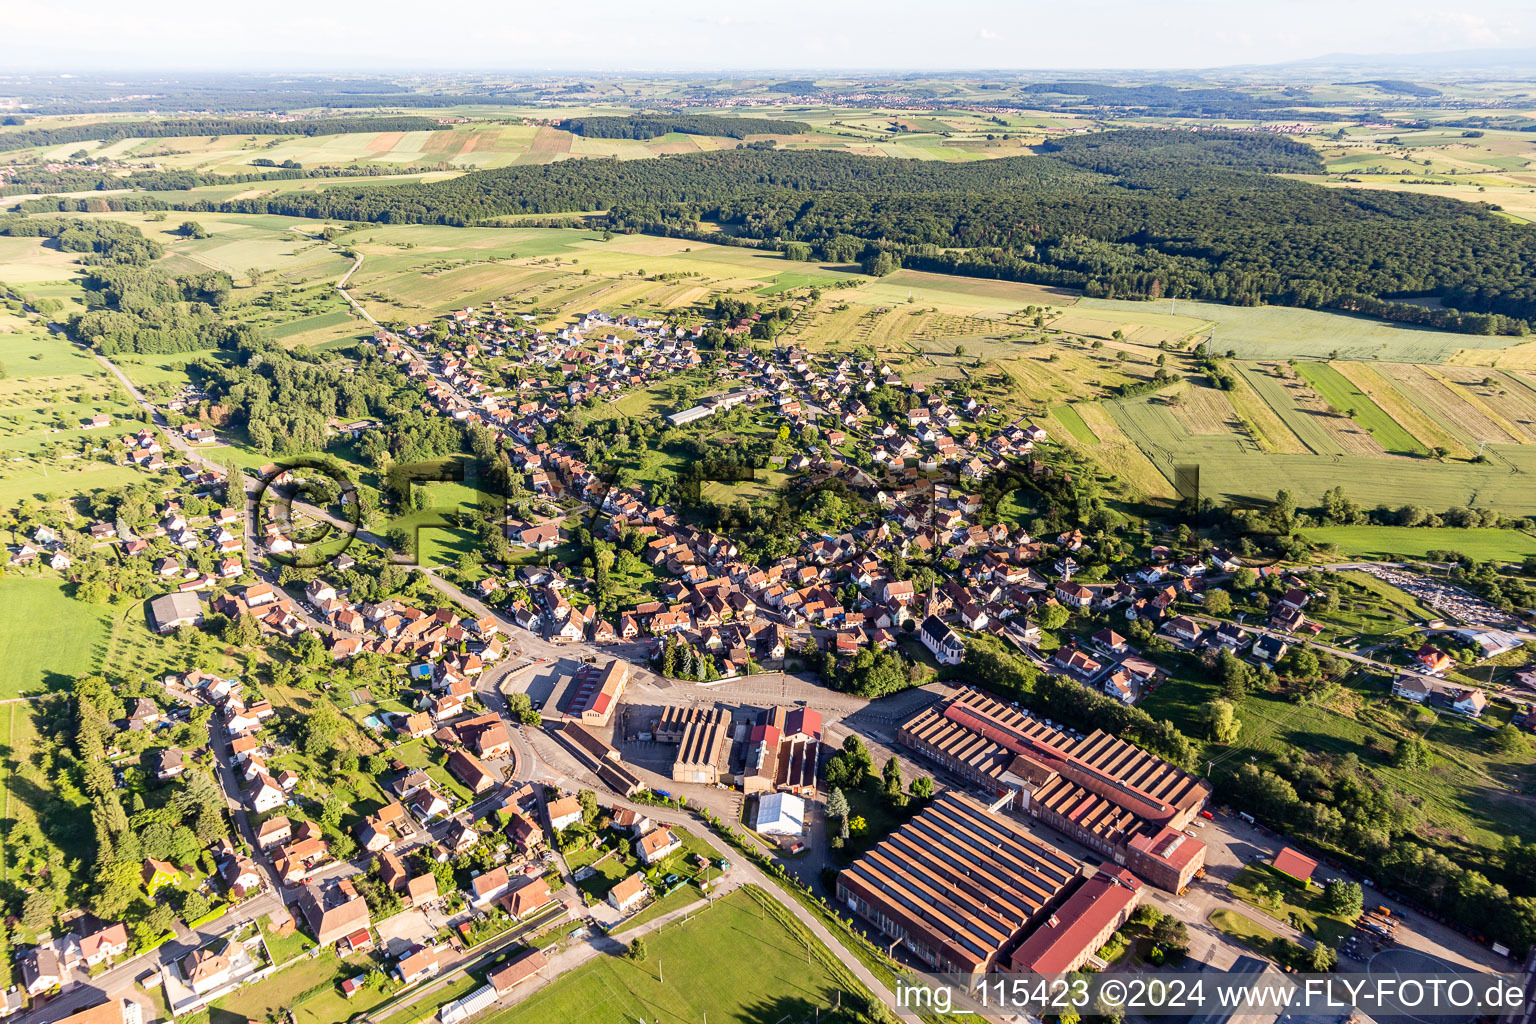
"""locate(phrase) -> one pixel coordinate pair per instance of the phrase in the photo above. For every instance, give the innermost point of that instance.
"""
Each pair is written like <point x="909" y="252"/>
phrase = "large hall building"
<point x="1102" y="792"/>
<point x="969" y="891"/>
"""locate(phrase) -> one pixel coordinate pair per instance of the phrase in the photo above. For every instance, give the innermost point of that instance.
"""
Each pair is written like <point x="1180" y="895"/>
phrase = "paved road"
<point x="341" y="286"/>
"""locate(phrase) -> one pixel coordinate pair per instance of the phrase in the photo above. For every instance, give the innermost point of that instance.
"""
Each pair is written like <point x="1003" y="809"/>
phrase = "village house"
<point x="627" y="894"/>
<point x="657" y="845"/>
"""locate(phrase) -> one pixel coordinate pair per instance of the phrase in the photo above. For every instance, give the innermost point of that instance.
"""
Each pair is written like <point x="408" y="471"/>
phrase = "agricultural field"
<point x="1492" y="166"/>
<point x="1371" y="381"/>
<point x="280" y="249"/>
<point x="1458" y="409"/>
<point x="413" y="272"/>
<point x="1122" y="457"/>
<point x="262" y="254"/>
<point x="48" y="387"/>
<point x="1283" y="332"/>
<point x="1236" y="465"/>
<point x="1340" y="393"/>
<point x="1069" y="418"/>
<point x="507" y="136"/>
<point x="1389" y="542"/>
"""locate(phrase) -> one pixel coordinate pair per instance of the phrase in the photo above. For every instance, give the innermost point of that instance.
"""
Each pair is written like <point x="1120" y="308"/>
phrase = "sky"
<point x="718" y="35"/>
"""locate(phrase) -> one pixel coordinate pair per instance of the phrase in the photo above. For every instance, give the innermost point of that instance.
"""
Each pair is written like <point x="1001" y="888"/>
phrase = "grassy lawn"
<point x="47" y="637"/>
<point x="281" y="991"/>
<point x="675" y="900"/>
<point x="436" y="541"/>
<point x="1415" y="542"/>
<point x="330" y="1006"/>
<point x="1245" y="930"/>
<point x="285" y="948"/>
<point x="577" y="859"/>
<point x="731" y="962"/>
<point x="608" y="874"/>
<point x="1301" y="907"/>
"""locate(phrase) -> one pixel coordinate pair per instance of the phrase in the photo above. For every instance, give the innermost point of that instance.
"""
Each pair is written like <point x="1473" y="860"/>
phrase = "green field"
<point x="46" y="637"/>
<point x="1389" y="542"/>
<point x="732" y="961"/>
<point x="1337" y="390"/>
<point x="1068" y="417"/>
<point x="1284" y="332"/>
<point x="1234" y="466"/>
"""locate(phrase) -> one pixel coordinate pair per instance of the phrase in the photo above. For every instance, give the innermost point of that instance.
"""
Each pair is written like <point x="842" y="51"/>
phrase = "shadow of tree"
<point x="850" y="1008"/>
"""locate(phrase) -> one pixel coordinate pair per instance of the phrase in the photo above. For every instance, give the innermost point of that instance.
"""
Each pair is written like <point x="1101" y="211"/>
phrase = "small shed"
<point x="1297" y="865"/>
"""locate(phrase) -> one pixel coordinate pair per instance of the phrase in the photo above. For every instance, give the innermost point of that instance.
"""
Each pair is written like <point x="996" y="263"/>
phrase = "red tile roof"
<point x="1064" y="941"/>
<point x="1297" y="865"/>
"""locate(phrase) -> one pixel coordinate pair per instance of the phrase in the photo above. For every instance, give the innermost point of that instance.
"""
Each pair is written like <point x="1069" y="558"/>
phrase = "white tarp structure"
<point x="467" y="1007"/>
<point x="780" y="814"/>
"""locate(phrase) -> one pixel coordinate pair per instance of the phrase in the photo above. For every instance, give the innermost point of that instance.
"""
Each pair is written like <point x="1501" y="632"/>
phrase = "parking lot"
<point x="1445" y="598"/>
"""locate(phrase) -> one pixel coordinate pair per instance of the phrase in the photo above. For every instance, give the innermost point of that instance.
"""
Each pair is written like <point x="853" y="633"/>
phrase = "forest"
<point x="1133" y="214"/>
<point x="285" y="399"/>
<point x="649" y="126"/>
<point x="114" y="130"/>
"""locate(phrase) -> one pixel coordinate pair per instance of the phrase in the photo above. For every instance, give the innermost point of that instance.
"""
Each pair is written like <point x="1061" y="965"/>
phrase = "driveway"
<point x="406" y="929"/>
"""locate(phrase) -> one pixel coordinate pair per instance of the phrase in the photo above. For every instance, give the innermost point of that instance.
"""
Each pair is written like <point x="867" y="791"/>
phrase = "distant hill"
<point x="649" y="126"/>
<point x="1398" y="87"/>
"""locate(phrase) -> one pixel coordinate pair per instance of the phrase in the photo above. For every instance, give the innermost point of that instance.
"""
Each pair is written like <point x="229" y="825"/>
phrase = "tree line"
<point x="649" y="126"/>
<point x="114" y="130"/>
<point x="25" y="180"/>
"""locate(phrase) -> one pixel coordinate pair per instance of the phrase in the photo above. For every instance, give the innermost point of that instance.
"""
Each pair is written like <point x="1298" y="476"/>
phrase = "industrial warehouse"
<point x="1097" y="790"/>
<point x="968" y="891"/>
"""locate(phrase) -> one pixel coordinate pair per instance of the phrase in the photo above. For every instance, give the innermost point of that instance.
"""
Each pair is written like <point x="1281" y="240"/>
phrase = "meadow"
<point x="1389" y="542"/>
<point x="47" y="637"/>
